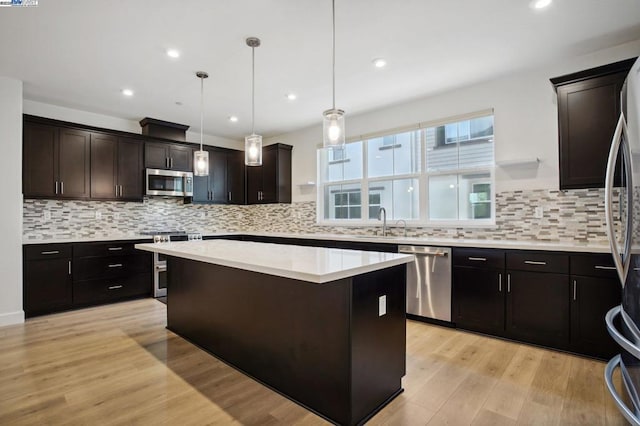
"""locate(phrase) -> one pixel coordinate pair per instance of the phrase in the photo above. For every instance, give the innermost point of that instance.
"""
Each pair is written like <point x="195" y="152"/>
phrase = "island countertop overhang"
<point x="313" y="264"/>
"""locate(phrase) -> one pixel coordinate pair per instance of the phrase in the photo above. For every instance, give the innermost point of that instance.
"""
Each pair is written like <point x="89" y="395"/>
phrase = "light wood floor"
<point x="117" y="364"/>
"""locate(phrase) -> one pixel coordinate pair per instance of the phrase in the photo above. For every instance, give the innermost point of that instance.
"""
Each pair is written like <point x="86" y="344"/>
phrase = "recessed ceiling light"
<point x="292" y="96"/>
<point x="127" y="92"/>
<point x="379" y="63"/>
<point x="233" y="119"/>
<point x="173" y="53"/>
<point x="540" y="4"/>
<point x="178" y="103"/>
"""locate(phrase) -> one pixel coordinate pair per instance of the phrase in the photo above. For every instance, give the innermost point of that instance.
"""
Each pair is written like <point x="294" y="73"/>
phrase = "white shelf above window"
<point x="519" y="162"/>
<point x="307" y="184"/>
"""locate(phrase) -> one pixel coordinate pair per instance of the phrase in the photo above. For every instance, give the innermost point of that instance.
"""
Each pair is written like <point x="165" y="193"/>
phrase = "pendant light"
<point x="333" y="122"/>
<point x="201" y="158"/>
<point x="253" y="142"/>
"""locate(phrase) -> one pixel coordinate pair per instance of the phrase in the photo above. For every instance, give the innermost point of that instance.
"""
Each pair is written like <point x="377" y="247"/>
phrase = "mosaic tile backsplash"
<point x="569" y="216"/>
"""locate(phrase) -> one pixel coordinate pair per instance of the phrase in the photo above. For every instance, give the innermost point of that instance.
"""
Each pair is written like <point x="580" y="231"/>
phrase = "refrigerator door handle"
<point x="622" y="266"/>
<point x="608" y="378"/>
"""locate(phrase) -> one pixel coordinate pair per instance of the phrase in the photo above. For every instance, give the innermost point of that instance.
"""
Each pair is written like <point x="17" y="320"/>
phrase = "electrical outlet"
<point x="47" y="215"/>
<point x="382" y="305"/>
<point x="98" y="215"/>
<point x="117" y="216"/>
<point x="538" y="212"/>
<point x="203" y="215"/>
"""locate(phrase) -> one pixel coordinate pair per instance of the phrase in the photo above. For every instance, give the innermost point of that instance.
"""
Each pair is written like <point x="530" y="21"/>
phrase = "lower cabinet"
<point x="47" y="279"/>
<point x="65" y="276"/>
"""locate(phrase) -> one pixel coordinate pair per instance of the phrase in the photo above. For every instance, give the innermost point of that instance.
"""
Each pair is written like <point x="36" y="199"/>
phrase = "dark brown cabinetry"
<point x="595" y="288"/>
<point x="56" y="162"/>
<point x="66" y="276"/>
<point x="271" y="182"/>
<point x="479" y="290"/>
<point x="47" y="278"/>
<point x="588" y="110"/>
<point x="116" y="168"/>
<point x="168" y="156"/>
<point x="225" y="182"/>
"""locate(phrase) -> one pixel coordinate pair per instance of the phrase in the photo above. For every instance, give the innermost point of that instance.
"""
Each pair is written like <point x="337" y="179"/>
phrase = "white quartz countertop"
<point x="426" y="241"/>
<point x="313" y="264"/>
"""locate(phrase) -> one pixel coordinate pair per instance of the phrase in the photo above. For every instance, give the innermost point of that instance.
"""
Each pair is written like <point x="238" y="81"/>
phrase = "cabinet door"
<point x="478" y="299"/>
<point x="591" y="299"/>
<point x="47" y="286"/>
<point x="236" y="177"/>
<point x="156" y="155"/>
<point x="201" y="191"/>
<point x="181" y="158"/>
<point x="269" y="175"/>
<point x="588" y="112"/>
<point x="40" y="168"/>
<point x="74" y="163"/>
<point x="218" y="176"/>
<point x="103" y="166"/>
<point x="130" y="169"/>
<point x="538" y="308"/>
<point x="254" y="183"/>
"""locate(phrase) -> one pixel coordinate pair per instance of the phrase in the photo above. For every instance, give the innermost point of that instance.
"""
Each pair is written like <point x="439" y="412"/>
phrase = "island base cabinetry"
<point x="325" y="346"/>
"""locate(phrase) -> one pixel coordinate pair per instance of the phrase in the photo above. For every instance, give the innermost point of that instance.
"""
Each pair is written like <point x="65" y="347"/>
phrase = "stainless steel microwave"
<point x="169" y="182"/>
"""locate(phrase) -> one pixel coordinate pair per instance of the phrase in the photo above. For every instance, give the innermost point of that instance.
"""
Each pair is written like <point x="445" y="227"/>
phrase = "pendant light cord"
<point x="253" y="88"/>
<point x="201" y="110"/>
<point x="333" y="9"/>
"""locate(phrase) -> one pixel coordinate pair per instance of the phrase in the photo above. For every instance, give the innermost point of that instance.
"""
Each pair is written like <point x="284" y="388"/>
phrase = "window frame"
<point x="422" y="176"/>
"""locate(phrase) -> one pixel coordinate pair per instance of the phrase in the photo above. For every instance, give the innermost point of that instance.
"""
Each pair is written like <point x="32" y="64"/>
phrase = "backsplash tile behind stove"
<point x="575" y="215"/>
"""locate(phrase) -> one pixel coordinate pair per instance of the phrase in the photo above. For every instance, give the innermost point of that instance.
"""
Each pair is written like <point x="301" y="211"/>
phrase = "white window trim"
<point x="422" y="176"/>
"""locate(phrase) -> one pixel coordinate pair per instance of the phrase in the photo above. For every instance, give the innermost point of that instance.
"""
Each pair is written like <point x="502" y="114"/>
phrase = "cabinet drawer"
<point x="593" y="265"/>
<point x="47" y="251"/>
<point x="109" y="267"/>
<point x="480" y="258"/>
<point x="538" y="261"/>
<point x="108" y="289"/>
<point x="111" y="248"/>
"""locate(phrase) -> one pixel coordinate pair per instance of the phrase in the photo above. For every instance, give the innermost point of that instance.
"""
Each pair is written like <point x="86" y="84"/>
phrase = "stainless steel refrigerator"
<point x="623" y="227"/>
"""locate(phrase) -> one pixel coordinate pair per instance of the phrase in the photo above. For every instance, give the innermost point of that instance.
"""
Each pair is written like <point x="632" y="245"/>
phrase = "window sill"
<point x="391" y="223"/>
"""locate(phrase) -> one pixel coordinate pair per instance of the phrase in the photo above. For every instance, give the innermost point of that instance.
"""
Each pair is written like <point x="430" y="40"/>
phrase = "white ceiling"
<point x="80" y="54"/>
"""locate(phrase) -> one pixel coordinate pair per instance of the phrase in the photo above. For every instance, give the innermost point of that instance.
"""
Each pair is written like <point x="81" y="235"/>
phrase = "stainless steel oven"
<point x="160" y="260"/>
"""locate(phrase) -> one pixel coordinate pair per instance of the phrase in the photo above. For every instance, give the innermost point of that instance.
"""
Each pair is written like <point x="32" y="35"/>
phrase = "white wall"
<point x="114" y="123"/>
<point x="11" y="213"/>
<point x="525" y="121"/>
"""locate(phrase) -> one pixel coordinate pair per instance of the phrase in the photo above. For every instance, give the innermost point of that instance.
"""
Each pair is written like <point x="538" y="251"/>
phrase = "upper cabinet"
<point x="588" y="111"/>
<point x="116" y="168"/>
<point x="56" y="162"/>
<point x="271" y="182"/>
<point x="168" y="156"/>
<point x="225" y="182"/>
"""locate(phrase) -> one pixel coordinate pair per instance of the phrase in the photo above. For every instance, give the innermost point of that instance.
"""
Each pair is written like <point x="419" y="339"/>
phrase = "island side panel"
<point x="378" y="341"/>
<point x="291" y="335"/>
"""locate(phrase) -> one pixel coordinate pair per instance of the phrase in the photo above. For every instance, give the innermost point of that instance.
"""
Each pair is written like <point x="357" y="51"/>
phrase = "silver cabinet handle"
<point x="115" y="265"/>
<point x="575" y="290"/>
<point x="56" y="187"/>
<point x="500" y="283"/>
<point x="171" y="162"/>
<point x="69" y="267"/>
<point x="116" y="191"/>
<point x="114" y="248"/>
<point x="120" y="190"/>
<point x="115" y="287"/>
<point x="478" y="259"/>
<point x="166" y="162"/>
<point x="534" y="262"/>
<point x="607" y="268"/>
<point x="229" y="195"/>
<point x="608" y="378"/>
<point x="50" y="252"/>
<point x="508" y="283"/>
<point x="61" y="188"/>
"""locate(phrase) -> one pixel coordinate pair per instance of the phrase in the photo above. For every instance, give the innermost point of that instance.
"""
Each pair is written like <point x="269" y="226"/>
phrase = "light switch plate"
<point x="382" y="305"/>
<point x="538" y="212"/>
<point x="47" y="215"/>
<point x="98" y="215"/>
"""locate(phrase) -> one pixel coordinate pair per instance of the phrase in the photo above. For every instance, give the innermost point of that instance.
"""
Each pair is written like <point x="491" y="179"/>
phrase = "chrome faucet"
<point x="382" y="215"/>
<point x="405" y="225"/>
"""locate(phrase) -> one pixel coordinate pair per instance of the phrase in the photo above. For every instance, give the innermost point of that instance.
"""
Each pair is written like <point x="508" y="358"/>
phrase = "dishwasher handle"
<point x="422" y="251"/>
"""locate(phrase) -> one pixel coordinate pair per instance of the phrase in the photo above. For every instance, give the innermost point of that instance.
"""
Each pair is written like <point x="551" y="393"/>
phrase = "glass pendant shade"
<point x="333" y="129"/>
<point x="200" y="163"/>
<point x="253" y="150"/>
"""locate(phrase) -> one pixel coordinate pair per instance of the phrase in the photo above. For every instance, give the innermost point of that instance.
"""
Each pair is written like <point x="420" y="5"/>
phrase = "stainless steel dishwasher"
<point x="429" y="282"/>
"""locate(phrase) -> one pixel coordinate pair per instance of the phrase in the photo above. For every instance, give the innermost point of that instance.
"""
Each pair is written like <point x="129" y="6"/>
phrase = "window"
<point x="441" y="173"/>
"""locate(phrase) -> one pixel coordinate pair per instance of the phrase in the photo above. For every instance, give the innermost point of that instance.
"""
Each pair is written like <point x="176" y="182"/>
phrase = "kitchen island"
<point x="324" y="327"/>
